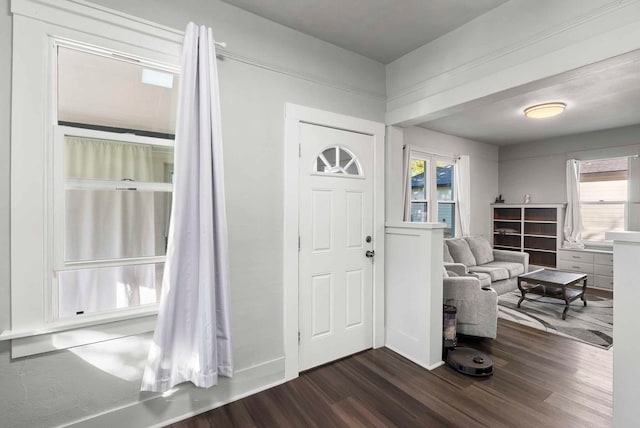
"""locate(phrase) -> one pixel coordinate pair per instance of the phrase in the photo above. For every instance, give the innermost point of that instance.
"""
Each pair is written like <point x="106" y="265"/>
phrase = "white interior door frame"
<point x="294" y="116"/>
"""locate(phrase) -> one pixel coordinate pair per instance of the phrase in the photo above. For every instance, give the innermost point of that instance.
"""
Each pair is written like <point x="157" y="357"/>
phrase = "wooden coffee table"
<point x="553" y="283"/>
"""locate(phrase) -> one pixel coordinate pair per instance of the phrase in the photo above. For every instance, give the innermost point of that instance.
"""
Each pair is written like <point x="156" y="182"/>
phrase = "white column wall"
<point x="626" y="371"/>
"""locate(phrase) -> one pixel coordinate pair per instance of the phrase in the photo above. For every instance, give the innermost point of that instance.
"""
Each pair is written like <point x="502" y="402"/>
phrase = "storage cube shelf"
<point x="533" y="228"/>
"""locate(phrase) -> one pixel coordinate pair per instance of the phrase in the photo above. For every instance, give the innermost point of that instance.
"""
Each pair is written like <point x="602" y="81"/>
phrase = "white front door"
<point x="336" y="229"/>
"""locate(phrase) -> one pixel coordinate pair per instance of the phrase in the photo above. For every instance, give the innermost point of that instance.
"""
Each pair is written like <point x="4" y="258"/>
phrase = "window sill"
<point x="591" y="248"/>
<point x="71" y="333"/>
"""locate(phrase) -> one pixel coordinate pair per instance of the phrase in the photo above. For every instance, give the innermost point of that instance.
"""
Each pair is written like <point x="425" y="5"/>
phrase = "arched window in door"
<point x="338" y="160"/>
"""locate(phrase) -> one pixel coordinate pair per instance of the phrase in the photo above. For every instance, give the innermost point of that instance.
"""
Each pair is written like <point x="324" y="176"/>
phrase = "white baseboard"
<point x="415" y="360"/>
<point x="188" y="401"/>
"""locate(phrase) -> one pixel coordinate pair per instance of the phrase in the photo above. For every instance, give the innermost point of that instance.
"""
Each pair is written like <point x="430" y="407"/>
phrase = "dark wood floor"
<point x="540" y="380"/>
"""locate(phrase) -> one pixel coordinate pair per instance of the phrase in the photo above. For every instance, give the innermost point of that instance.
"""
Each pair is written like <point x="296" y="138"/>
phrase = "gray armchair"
<point x="477" y="307"/>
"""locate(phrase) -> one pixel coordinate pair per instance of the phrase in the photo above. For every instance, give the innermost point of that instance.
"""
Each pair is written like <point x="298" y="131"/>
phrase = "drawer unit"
<point x="576" y="256"/>
<point x="603" y="282"/>
<point x="597" y="265"/>
<point x="574" y="266"/>
<point x="604" y="259"/>
<point x="604" y="270"/>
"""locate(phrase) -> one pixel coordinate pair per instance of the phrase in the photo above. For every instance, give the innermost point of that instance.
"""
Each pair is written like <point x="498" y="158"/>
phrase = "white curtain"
<point x="406" y="183"/>
<point x="463" y="191"/>
<point x="192" y="339"/>
<point x="634" y="193"/>
<point x="107" y="224"/>
<point x="573" y="218"/>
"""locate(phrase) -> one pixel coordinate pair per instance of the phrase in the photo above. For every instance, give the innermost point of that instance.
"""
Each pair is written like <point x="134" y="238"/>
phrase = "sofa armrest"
<point x="461" y="288"/>
<point x="512" y="256"/>
<point x="457" y="268"/>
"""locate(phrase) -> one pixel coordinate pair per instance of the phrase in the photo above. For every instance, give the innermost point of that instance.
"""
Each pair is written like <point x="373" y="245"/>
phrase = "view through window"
<point x="433" y="192"/>
<point x="603" y="197"/>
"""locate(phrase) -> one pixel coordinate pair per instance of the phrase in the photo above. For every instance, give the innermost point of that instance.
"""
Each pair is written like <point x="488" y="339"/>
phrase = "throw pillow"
<point x="460" y="252"/>
<point x="446" y="255"/>
<point x="481" y="249"/>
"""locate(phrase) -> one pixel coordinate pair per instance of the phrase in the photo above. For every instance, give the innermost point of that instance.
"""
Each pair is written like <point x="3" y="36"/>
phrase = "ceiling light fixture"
<point x="541" y="111"/>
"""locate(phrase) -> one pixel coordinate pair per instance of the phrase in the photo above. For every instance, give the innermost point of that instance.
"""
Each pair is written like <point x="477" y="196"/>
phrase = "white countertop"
<point x="623" y="236"/>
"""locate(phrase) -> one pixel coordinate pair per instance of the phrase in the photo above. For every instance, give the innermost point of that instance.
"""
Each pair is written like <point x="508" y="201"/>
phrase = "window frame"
<point x="32" y="132"/>
<point x="427" y="187"/>
<point x="431" y="185"/>
<point x="343" y="170"/>
<point x="59" y="185"/>
<point x="624" y="203"/>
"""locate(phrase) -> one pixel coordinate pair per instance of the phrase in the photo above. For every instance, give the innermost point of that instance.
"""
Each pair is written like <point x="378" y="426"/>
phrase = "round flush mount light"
<point x="541" y="111"/>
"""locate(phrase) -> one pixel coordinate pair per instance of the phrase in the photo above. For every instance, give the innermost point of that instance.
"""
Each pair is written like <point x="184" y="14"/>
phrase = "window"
<point x="111" y="223"/>
<point x="419" y="190"/>
<point x="113" y="160"/>
<point x="337" y="161"/>
<point x="92" y="142"/>
<point x="433" y="197"/>
<point x="603" y="197"/>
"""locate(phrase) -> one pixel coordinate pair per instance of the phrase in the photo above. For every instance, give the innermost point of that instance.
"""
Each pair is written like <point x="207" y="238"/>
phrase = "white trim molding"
<point x="185" y="400"/>
<point x="54" y="11"/>
<point x="294" y="116"/>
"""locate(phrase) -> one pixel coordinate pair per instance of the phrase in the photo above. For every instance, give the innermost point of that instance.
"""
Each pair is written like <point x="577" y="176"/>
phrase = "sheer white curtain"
<point x="406" y="183"/>
<point x="573" y="218"/>
<point x="463" y="191"/>
<point x="192" y="339"/>
<point x="102" y="225"/>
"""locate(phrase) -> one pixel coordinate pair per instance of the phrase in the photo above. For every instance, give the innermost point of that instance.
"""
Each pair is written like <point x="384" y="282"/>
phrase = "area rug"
<point x="592" y="324"/>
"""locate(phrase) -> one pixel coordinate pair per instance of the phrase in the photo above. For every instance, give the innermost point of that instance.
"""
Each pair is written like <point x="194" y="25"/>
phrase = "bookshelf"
<point x="532" y="228"/>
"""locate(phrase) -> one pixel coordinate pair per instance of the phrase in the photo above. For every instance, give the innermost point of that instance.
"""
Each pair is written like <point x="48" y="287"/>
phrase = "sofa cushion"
<point x="460" y="251"/>
<point x="514" y="269"/>
<point x="497" y="273"/>
<point x="446" y="255"/>
<point x="481" y="249"/>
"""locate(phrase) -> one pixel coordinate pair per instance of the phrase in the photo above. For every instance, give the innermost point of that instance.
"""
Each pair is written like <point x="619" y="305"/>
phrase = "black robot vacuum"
<point x="470" y="362"/>
<point x="465" y="360"/>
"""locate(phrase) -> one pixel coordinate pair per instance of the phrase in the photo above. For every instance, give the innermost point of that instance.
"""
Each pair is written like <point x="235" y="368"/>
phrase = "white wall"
<point x="5" y="121"/>
<point x="484" y="171"/>
<point x="278" y="65"/>
<point x="538" y="168"/>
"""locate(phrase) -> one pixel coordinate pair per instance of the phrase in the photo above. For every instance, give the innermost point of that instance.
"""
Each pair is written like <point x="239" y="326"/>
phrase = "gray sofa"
<point x="498" y="269"/>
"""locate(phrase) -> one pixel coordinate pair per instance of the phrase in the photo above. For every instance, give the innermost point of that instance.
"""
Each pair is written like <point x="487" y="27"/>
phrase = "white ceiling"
<point x="383" y="30"/>
<point x="600" y="96"/>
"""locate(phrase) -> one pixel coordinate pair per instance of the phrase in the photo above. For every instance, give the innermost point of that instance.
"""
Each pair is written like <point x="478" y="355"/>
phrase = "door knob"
<point x="370" y="254"/>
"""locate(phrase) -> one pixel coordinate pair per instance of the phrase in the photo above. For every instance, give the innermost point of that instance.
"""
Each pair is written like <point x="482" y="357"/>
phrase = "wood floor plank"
<point x="356" y="414"/>
<point x="540" y="379"/>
